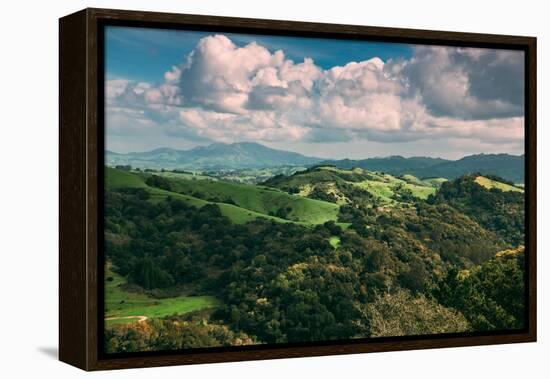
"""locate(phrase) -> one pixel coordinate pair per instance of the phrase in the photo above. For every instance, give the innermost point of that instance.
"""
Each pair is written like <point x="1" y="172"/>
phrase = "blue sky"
<point x="319" y="97"/>
<point x="144" y="54"/>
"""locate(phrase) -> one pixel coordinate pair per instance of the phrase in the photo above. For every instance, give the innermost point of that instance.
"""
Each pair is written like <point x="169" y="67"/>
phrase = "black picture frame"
<point x="81" y="163"/>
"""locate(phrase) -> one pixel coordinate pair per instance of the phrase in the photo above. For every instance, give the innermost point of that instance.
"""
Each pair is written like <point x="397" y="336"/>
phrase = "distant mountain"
<point x="212" y="157"/>
<point x="243" y="155"/>
<point x="395" y="164"/>
<point x="509" y="167"/>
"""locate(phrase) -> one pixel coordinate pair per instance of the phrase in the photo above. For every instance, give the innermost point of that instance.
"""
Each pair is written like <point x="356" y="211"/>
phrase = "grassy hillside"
<point x="436" y="182"/>
<point x="454" y="256"/>
<point x="121" y="304"/>
<point x="235" y="213"/>
<point x="259" y="200"/>
<point x="250" y="201"/>
<point x="115" y="179"/>
<point x="339" y="184"/>
<point x="491" y="183"/>
<point x="413" y="180"/>
<point x="386" y="186"/>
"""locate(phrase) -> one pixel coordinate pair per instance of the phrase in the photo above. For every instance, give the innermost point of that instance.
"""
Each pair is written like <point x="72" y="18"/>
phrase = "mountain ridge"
<point x="508" y="166"/>
<point x="214" y="156"/>
<point x="252" y="155"/>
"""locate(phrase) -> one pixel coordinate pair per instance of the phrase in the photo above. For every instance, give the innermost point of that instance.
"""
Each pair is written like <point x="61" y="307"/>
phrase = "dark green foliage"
<point x="441" y="229"/>
<point x="159" y="182"/>
<point x="332" y="228"/>
<point x="229" y="200"/>
<point x="283" y="212"/>
<point x="305" y="301"/>
<point x="355" y="214"/>
<point x="403" y="194"/>
<point x="320" y="194"/>
<point x="325" y="183"/>
<point x="490" y="296"/>
<point x="124" y="167"/>
<point x="415" y="277"/>
<point x="357" y="196"/>
<point x="169" y="335"/>
<point x="311" y="176"/>
<point x="496" y="210"/>
<point x="147" y="273"/>
<point x="291" y="190"/>
<point x="155" y="243"/>
<point x="395" y="270"/>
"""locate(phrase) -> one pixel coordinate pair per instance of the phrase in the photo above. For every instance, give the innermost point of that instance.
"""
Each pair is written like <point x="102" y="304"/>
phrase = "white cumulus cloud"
<point x="227" y="93"/>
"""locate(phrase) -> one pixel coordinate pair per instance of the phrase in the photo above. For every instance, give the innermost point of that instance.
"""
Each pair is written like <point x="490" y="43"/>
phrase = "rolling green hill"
<point x="387" y="186"/>
<point x="261" y="200"/>
<point x="340" y="184"/>
<point x="239" y="202"/>
<point x="289" y="281"/>
<point x="117" y="179"/>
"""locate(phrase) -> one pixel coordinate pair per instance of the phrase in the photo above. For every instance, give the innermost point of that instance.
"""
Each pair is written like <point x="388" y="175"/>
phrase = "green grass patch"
<point x="382" y="186"/>
<point x="260" y="201"/>
<point x="421" y="192"/>
<point x="236" y="214"/>
<point x="413" y="180"/>
<point x="490" y="184"/>
<point x="121" y="303"/>
<point x="115" y="179"/>
<point x="435" y="182"/>
<point x="334" y="242"/>
<point x="124" y="179"/>
<point x="344" y="225"/>
<point x="381" y="190"/>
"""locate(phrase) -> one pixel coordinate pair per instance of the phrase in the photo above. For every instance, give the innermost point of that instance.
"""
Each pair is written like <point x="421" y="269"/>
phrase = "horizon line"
<point x="308" y="156"/>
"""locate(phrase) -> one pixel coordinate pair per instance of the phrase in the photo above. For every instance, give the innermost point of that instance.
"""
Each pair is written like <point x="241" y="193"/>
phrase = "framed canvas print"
<point x="236" y="189"/>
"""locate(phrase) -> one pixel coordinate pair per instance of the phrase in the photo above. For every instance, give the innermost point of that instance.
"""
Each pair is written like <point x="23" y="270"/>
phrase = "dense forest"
<point x="399" y="256"/>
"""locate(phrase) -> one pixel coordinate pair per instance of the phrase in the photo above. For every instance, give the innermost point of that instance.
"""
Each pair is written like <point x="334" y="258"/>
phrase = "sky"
<point x="319" y="97"/>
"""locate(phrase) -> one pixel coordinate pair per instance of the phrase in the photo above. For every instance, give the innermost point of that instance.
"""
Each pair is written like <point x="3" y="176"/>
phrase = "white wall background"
<point x="28" y="190"/>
